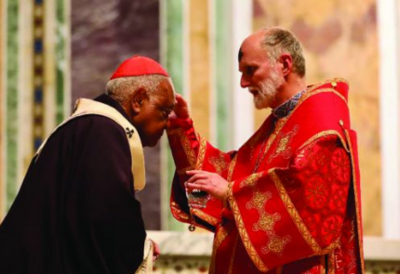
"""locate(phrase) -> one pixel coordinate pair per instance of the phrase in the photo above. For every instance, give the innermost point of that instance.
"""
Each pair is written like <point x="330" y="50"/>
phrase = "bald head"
<point x="272" y="42"/>
<point x="272" y="66"/>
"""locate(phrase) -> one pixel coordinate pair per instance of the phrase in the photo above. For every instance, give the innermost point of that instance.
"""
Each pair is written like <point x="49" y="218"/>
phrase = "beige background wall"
<point x="340" y="40"/>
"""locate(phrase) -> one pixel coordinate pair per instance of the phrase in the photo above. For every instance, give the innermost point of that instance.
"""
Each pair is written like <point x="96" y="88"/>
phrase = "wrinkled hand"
<point x="181" y="110"/>
<point x="209" y="182"/>
<point x="156" y="250"/>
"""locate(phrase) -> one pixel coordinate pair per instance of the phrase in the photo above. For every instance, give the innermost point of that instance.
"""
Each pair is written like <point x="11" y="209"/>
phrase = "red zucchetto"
<point x="138" y="66"/>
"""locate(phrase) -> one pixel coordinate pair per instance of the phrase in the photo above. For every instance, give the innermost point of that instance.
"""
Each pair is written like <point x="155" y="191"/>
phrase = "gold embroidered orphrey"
<point x="283" y="148"/>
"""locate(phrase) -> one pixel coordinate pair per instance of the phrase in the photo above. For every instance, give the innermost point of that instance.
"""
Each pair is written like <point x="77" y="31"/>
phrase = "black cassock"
<point x="76" y="210"/>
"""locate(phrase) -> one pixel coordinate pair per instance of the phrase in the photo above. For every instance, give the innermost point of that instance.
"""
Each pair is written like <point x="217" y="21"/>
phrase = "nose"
<point x="244" y="83"/>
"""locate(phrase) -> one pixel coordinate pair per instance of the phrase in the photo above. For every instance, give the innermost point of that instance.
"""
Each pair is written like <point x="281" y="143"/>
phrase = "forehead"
<point x="166" y="94"/>
<point x="251" y="52"/>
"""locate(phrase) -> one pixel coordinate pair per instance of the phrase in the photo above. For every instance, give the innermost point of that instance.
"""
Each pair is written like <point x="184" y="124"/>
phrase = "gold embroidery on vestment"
<point x="250" y="181"/>
<point x="218" y="162"/>
<point x="202" y="152"/>
<point x="259" y="199"/>
<point x="291" y="209"/>
<point x="187" y="148"/>
<point x="283" y="148"/>
<point x="266" y="221"/>
<point x="245" y="236"/>
<point x="276" y="244"/>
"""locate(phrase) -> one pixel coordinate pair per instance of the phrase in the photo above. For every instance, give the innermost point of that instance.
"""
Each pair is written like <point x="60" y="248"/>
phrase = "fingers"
<point x="200" y="185"/>
<point x="198" y="176"/>
<point x="194" y="172"/>
<point x="180" y="100"/>
<point x="181" y="107"/>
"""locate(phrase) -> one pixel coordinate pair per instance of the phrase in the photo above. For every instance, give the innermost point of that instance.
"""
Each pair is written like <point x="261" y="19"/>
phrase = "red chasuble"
<point x="294" y="190"/>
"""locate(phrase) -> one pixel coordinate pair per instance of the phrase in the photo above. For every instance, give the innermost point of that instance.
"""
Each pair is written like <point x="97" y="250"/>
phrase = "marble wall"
<point x="104" y="33"/>
<point x="200" y="64"/>
<point x="31" y="105"/>
<point x="340" y="40"/>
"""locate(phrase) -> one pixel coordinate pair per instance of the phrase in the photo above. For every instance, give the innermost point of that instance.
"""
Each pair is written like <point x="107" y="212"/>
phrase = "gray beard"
<point x="268" y="90"/>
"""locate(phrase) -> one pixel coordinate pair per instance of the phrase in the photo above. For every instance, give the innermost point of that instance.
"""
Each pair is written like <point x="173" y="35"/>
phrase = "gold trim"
<point x="332" y="246"/>
<point x="324" y="134"/>
<point x="178" y="212"/>
<point x="202" y="152"/>
<point x="245" y="237"/>
<point x="331" y="263"/>
<point x="338" y="79"/>
<point x="187" y="148"/>
<point x="222" y="233"/>
<point x="308" y="94"/>
<point x="232" y="260"/>
<point x="231" y="168"/>
<point x="291" y="209"/>
<point x="220" y="236"/>
<point x="358" y="215"/>
<point x="251" y="180"/>
<point x="278" y="127"/>
<point x="204" y="216"/>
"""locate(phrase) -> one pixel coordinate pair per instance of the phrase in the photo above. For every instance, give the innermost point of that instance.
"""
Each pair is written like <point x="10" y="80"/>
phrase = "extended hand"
<point x="209" y="182"/>
<point x="181" y="110"/>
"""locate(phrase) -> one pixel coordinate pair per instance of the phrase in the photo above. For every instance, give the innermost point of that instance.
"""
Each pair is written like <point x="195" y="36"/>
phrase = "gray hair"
<point x="121" y="89"/>
<point x="277" y="41"/>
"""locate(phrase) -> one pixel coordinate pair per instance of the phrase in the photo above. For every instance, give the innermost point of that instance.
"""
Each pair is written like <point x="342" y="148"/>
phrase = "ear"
<point x="138" y="99"/>
<point x="287" y="63"/>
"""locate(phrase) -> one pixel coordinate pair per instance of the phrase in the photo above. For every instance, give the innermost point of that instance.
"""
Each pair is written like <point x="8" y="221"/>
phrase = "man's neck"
<point x="290" y="88"/>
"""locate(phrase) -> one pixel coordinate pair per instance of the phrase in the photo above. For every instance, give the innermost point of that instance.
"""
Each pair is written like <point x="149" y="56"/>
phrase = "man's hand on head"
<point x="181" y="110"/>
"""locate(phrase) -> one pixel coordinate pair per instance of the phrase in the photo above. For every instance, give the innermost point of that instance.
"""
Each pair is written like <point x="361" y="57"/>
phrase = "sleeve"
<point x="284" y="215"/>
<point x="190" y="151"/>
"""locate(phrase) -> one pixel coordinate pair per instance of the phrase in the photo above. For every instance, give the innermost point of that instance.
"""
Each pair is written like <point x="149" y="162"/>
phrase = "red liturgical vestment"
<point x="293" y="203"/>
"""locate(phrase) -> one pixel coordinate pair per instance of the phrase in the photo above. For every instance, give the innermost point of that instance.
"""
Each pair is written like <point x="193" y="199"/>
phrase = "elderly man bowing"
<point x="76" y="211"/>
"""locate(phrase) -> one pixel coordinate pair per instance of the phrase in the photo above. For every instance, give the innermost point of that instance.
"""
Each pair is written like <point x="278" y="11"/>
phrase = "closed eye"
<point x="249" y="70"/>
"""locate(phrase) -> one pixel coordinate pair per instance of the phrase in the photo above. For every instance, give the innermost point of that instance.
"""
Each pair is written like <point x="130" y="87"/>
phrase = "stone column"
<point x="389" y="42"/>
<point x="29" y="107"/>
<point x="174" y="57"/>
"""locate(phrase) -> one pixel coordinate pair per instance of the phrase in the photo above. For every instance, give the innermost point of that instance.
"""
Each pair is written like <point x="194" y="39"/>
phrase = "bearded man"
<point x="76" y="211"/>
<point x="288" y="201"/>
